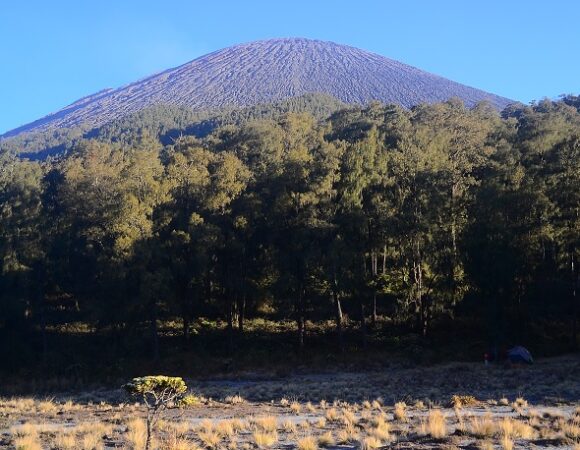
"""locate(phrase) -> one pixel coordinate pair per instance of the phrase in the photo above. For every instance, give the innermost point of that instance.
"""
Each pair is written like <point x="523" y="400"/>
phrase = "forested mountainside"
<point x="455" y="225"/>
<point x="164" y="122"/>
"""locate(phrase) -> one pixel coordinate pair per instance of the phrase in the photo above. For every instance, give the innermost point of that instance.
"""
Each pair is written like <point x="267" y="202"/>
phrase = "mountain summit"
<point x="263" y="72"/>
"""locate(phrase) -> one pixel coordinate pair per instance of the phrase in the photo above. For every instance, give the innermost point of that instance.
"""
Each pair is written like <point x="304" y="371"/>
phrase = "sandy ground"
<point x="401" y="407"/>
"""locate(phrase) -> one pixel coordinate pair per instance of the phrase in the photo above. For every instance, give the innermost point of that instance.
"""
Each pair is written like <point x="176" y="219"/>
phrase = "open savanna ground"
<point x="458" y="405"/>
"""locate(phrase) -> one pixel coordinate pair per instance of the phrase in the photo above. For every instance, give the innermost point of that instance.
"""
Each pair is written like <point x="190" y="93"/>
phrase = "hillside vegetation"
<point x="375" y="229"/>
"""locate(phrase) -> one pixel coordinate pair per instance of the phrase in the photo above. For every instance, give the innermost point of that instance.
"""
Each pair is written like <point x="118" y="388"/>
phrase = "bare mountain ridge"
<point x="267" y="71"/>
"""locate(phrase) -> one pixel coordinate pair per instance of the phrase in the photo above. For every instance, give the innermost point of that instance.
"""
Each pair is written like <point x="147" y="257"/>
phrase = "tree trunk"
<point x="338" y="317"/>
<point x="241" y="313"/>
<point x="232" y="318"/>
<point x="575" y="299"/>
<point x="186" y="324"/>
<point x="384" y="259"/>
<point x="375" y="269"/>
<point x="43" y="333"/>
<point x="39" y="296"/>
<point x="149" y="430"/>
<point x="418" y="276"/>
<point x="301" y="331"/>
<point x="363" y="326"/>
<point x="154" y="334"/>
<point x="301" y="319"/>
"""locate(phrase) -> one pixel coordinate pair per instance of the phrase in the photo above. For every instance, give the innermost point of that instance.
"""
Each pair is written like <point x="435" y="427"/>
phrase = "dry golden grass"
<point x="459" y="401"/>
<point x="571" y="429"/>
<point x="284" y="402"/>
<point x="369" y="443"/>
<point x="400" y="412"/>
<point x="320" y="422"/>
<point x="173" y="442"/>
<point x="419" y="404"/>
<point x="485" y="445"/>
<point x="436" y="424"/>
<point x="92" y="441"/>
<point x="460" y="422"/>
<point x="383" y="433"/>
<point x="234" y="399"/>
<point x="506" y="443"/>
<point x="515" y="429"/>
<point x="265" y="439"/>
<point x="307" y="443"/>
<point x="289" y="426"/>
<point x="365" y="424"/>
<point x="239" y="424"/>
<point x="347" y="435"/>
<point x="366" y="415"/>
<point x="225" y="428"/>
<point x="29" y="442"/>
<point x="266" y="423"/>
<point x="46" y="407"/>
<point x="94" y="427"/>
<point x="482" y="426"/>
<point x="67" y="406"/>
<point x="26" y="429"/>
<point x="326" y="439"/>
<point x="295" y="407"/>
<point x="520" y="402"/>
<point x="19" y="404"/>
<point x="209" y="439"/>
<point x="348" y="417"/>
<point x="136" y="434"/>
<point x="205" y="425"/>
<point x="332" y="415"/>
<point x="379" y="428"/>
<point x="65" y="441"/>
<point x="180" y="428"/>
<point x="379" y="421"/>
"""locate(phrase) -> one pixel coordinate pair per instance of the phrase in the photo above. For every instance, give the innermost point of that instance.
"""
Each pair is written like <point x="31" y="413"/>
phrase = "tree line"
<point x="417" y="215"/>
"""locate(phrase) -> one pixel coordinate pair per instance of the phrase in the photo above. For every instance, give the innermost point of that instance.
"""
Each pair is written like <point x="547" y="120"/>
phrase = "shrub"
<point x="436" y="425"/>
<point x="507" y="443"/>
<point x="369" y="443"/>
<point x="307" y="443"/>
<point x="400" y="411"/>
<point x="295" y="407"/>
<point x="137" y="434"/>
<point x="326" y="439"/>
<point x="459" y="401"/>
<point x="234" y="399"/>
<point x="157" y="392"/>
<point x="265" y="440"/>
<point x="29" y="442"/>
<point x="210" y="439"/>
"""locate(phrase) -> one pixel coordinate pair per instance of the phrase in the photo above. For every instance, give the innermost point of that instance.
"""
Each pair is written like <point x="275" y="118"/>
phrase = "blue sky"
<point x="56" y="51"/>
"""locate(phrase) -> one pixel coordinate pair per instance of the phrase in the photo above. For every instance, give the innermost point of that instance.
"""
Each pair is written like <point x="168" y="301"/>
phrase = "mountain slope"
<point x="263" y="72"/>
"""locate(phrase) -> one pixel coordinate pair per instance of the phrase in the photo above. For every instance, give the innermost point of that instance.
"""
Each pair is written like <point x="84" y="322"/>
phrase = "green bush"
<point x="157" y="392"/>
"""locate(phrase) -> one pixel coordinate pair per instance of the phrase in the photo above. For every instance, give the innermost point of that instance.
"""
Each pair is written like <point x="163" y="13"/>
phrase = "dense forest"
<point x="340" y="231"/>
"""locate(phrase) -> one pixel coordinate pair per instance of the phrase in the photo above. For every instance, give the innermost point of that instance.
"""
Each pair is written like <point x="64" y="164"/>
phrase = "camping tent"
<point x="520" y="355"/>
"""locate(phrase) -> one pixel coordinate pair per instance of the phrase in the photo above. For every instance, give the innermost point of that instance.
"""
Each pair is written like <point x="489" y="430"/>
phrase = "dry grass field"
<point x="453" y="406"/>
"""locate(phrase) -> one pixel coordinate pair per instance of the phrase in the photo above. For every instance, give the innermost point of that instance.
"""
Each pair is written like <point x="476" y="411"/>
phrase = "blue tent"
<point x="520" y="355"/>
